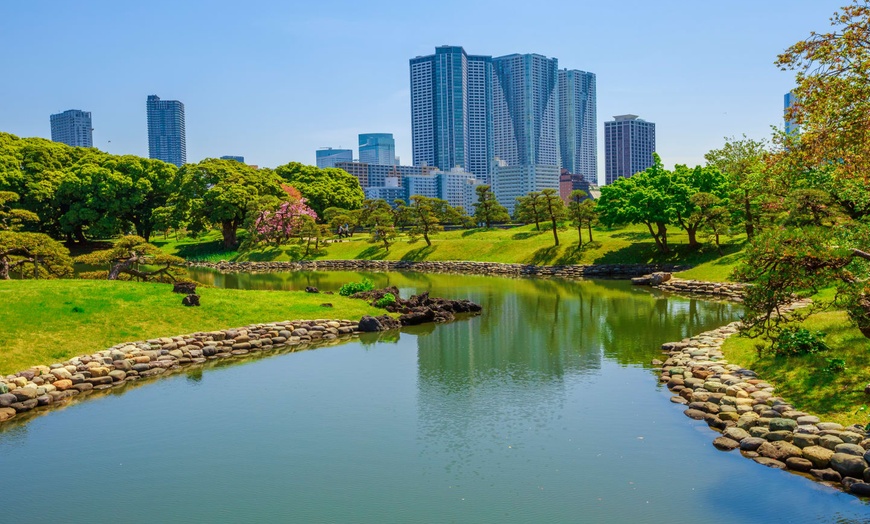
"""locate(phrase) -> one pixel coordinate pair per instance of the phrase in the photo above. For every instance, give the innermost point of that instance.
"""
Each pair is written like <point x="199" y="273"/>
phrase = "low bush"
<point x="795" y="341"/>
<point x="385" y="300"/>
<point x="356" y="287"/>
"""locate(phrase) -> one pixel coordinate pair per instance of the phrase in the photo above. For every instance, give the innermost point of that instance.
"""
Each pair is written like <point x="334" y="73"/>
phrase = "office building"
<point x="73" y="128"/>
<point x="166" y="135"/>
<point x="578" y="142"/>
<point x="569" y="182"/>
<point x="328" y="157"/>
<point x="239" y="159"/>
<point x="377" y="148"/>
<point x="791" y="126"/>
<point x="629" y="144"/>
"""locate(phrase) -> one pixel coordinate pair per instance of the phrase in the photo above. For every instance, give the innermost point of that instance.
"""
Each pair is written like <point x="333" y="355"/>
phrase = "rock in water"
<point x="191" y="300"/>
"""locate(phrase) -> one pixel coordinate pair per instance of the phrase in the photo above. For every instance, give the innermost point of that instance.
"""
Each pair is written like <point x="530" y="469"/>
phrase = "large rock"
<point x="799" y="464"/>
<point x="6" y="414"/>
<point x="725" y="443"/>
<point x="827" y="475"/>
<point x="850" y="449"/>
<point x="769" y="462"/>
<point x="848" y="465"/>
<point x="819" y="456"/>
<point x="751" y="443"/>
<point x="736" y="433"/>
<point x="780" y="450"/>
<point x="782" y="424"/>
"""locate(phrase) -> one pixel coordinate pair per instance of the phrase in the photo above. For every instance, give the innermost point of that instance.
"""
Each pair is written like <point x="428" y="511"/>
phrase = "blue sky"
<point x="275" y="80"/>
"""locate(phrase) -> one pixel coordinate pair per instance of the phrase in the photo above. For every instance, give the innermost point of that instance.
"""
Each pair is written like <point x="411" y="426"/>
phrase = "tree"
<point x="743" y="161"/>
<point x="426" y="215"/>
<point x="128" y="255"/>
<point x="225" y="192"/>
<point x="47" y="257"/>
<point x="641" y="199"/>
<point x="379" y="218"/>
<point x="554" y="209"/>
<point x="145" y="185"/>
<point x="279" y="226"/>
<point x="820" y="181"/>
<point x="530" y="208"/>
<point x="582" y="212"/>
<point x="12" y="219"/>
<point x="487" y="210"/>
<point x="684" y="185"/>
<point x="323" y="188"/>
<point x="833" y="101"/>
<point x="713" y="215"/>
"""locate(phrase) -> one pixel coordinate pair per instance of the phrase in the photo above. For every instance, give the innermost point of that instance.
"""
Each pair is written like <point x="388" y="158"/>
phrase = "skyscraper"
<point x="791" y="126"/>
<point x="578" y="142"/>
<point x="526" y="128"/>
<point x="239" y="159"/>
<point x="377" y="148"/>
<point x="629" y="144"/>
<point x="328" y="157"/>
<point x="166" y="135"/>
<point x="73" y="128"/>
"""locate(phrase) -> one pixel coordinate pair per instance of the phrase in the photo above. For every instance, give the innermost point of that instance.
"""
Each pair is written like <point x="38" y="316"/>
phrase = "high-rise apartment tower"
<point x="166" y="135"/>
<point x="629" y="144"/>
<point x="73" y="128"/>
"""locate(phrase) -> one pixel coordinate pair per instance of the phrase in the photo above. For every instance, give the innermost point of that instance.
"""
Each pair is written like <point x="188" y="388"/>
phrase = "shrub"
<point x="793" y="341"/>
<point x="356" y="287"/>
<point x="385" y="300"/>
<point x="835" y="365"/>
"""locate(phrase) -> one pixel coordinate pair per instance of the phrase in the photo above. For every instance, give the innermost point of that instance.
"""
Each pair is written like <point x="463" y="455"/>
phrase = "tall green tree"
<point x="641" y="199"/>
<point x="743" y="161"/>
<point x="227" y="193"/>
<point x="425" y="215"/>
<point x="530" y="208"/>
<point x="379" y="219"/>
<point x="582" y="212"/>
<point x="554" y="209"/>
<point x="487" y="210"/>
<point x="323" y="188"/>
<point x="145" y="186"/>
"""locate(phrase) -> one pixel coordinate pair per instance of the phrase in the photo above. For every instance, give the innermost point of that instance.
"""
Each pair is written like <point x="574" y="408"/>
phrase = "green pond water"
<point x="543" y="409"/>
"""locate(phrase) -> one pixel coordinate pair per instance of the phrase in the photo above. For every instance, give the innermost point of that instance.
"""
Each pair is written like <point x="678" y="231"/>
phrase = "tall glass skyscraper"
<point x="166" y="135"/>
<point x="578" y="137"/>
<point x="629" y="144"/>
<point x="791" y="126"/>
<point x="377" y="148"/>
<point x="500" y="119"/>
<point x="73" y="128"/>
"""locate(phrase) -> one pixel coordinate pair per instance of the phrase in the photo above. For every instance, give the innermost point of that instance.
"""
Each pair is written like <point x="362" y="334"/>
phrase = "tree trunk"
<point x="555" y="234"/>
<point x="426" y="237"/>
<point x="4" y="268"/>
<point x="120" y="267"/>
<point x="655" y="236"/>
<point x="663" y="234"/>
<point x="692" y="232"/>
<point x="80" y="235"/>
<point x="580" y="234"/>
<point x="228" y="229"/>
<point x="589" y="228"/>
<point x="747" y="210"/>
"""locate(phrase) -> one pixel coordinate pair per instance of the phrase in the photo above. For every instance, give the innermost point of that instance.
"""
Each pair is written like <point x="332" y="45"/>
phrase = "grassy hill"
<point x="631" y="244"/>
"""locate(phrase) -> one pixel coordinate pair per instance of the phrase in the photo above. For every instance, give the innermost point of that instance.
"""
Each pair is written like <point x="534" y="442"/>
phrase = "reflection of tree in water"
<point x="506" y="373"/>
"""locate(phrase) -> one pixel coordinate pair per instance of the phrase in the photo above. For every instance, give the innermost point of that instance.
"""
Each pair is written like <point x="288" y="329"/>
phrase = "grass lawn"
<point x="804" y="381"/>
<point x="45" y="321"/>
<point x="630" y="244"/>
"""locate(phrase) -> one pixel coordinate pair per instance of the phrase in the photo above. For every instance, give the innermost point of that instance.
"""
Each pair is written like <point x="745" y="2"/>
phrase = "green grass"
<point x="524" y="244"/>
<point x="208" y="247"/>
<point x="45" y="321"/>
<point x="837" y="397"/>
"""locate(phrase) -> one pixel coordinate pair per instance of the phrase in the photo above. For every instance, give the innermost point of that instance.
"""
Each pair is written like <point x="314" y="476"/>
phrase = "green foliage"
<point x="10" y="217"/>
<point x="351" y="288"/>
<point x="33" y="255"/>
<point x="379" y="217"/>
<point x="835" y="365"/>
<point x="583" y="212"/>
<point x="797" y="341"/>
<point x="225" y="192"/>
<point x="425" y="216"/>
<point x="386" y="300"/>
<point x="530" y="208"/>
<point x="125" y="258"/>
<point x="323" y="188"/>
<point x="487" y="210"/>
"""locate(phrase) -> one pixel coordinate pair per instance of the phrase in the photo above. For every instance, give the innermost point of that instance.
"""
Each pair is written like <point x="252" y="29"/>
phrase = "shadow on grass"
<point x="648" y="253"/>
<point x="543" y="256"/>
<point x="373" y="253"/>
<point x="526" y="234"/>
<point x="469" y="232"/>
<point x="415" y="255"/>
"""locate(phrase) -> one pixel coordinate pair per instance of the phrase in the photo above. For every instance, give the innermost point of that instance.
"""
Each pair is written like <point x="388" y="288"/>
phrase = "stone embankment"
<point x="124" y="363"/>
<point x="753" y="420"/>
<point x="666" y="282"/>
<point x="472" y="268"/>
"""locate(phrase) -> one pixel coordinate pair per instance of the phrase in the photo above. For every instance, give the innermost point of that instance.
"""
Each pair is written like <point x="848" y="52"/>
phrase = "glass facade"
<point x="328" y="157"/>
<point x="578" y="137"/>
<point x="73" y="128"/>
<point x="377" y="148"/>
<point x="166" y="134"/>
<point x="629" y="144"/>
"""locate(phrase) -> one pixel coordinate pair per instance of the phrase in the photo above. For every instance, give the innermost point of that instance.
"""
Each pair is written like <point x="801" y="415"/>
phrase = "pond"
<point x="543" y="409"/>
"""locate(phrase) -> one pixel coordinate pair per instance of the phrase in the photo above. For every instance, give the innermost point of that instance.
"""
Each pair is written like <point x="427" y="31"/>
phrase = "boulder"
<point x="798" y="464"/>
<point x="725" y="444"/>
<point x="826" y="475"/>
<point x="190" y="300"/>
<point x="186" y="288"/>
<point x="780" y="450"/>
<point x="848" y="465"/>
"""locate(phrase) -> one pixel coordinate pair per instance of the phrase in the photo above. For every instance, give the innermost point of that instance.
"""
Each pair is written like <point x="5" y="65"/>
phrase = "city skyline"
<point x="707" y="63"/>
